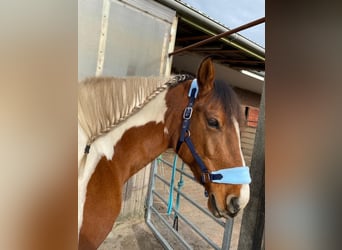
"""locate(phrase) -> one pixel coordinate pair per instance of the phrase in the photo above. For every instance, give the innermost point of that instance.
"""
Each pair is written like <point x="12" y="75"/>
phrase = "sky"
<point x="233" y="14"/>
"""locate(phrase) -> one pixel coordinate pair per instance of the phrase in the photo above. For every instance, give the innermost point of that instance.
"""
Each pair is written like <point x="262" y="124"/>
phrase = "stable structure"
<point x="136" y="37"/>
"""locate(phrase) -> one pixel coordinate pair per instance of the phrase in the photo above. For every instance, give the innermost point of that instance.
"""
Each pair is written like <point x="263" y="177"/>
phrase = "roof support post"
<point x="253" y="219"/>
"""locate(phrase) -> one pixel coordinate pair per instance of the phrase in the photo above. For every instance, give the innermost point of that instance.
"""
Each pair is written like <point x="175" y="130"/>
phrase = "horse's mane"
<point x="105" y="102"/>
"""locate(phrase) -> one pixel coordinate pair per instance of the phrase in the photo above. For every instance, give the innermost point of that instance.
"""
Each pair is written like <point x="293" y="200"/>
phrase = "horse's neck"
<point x="151" y="131"/>
<point x="138" y="147"/>
<point x="138" y="140"/>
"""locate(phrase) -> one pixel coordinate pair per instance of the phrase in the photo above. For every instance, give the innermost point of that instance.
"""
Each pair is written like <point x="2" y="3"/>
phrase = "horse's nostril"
<point x="234" y="205"/>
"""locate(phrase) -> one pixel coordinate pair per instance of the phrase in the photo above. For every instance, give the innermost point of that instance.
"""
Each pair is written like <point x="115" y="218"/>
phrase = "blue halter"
<point x="234" y="175"/>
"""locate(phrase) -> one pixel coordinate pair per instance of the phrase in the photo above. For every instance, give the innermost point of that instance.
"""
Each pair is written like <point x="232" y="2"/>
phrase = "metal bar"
<point x="149" y="208"/>
<point x="214" y="38"/>
<point x="162" y="240"/>
<point x="178" y="236"/>
<point x="149" y="204"/>
<point x="166" y="162"/>
<point x="160" y="197"/>
<point x="228" y="225"/>
<point x="178" y="170"/>
<point x="227" y="235"/>
<point x="195" y="228"/>
<point x="193" y="203"/>
<point x="149" y="199"/>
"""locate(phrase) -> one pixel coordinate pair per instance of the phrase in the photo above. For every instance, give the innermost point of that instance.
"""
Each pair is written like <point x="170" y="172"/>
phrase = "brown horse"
<point x="158" y="118"/>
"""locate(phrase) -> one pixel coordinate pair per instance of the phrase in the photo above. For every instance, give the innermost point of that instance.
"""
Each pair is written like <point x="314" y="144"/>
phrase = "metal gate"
<point x="197" y="227"/>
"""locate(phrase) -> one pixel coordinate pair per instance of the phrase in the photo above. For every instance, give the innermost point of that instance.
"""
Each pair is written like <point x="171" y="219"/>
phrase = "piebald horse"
<point x="121" y="130"/>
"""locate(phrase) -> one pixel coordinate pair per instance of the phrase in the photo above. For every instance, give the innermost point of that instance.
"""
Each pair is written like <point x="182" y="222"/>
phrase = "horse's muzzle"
<point x="231" y="211"/>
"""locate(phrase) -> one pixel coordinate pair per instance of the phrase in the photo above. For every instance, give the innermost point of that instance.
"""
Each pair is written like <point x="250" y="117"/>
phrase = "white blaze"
<point x="104" y="146"/>
<point x="244" y="191"/>
<point x="237" y="129"/>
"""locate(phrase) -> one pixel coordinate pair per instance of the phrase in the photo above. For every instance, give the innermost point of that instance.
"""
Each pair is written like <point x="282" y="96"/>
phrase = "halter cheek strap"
<point x="235" y="175"/>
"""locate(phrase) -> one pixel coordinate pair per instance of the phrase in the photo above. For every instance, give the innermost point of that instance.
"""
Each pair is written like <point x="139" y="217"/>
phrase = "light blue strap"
<point x="172" y="181"/>
<point x="194" y="85"/>
<point x="237" y="175"/>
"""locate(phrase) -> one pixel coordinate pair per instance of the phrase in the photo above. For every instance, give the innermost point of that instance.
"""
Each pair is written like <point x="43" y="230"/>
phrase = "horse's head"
<point x="215" y="135"/>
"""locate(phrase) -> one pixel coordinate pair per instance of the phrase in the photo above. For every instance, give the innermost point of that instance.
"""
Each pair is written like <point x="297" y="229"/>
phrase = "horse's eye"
<point x="212" y="122"/>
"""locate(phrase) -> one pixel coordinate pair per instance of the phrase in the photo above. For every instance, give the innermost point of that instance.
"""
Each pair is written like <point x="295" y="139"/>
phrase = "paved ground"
<point x="136" y="235"/>
<point x="132" y="235"/>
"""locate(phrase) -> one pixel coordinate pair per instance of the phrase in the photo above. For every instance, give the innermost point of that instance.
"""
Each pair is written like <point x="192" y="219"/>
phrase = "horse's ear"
<point x="206" y="76"/>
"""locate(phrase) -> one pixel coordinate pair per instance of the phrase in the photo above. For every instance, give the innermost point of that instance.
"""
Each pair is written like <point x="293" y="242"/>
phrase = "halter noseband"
<point x="234" y="175"/>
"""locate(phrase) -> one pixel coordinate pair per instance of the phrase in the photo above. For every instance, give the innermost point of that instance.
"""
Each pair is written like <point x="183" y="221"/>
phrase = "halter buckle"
<point x="187" y="113"/>
<point x="206" y="177"/>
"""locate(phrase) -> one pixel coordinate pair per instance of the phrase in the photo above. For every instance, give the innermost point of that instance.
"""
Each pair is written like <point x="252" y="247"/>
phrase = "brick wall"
<point x="250" y="107"/>
<point x="252" y="115"/>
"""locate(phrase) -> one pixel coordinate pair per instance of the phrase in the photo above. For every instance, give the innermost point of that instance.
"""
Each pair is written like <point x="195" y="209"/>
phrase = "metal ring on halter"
<point x="188" y="132"/>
